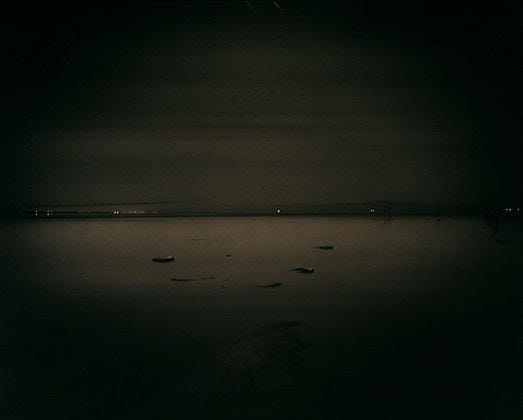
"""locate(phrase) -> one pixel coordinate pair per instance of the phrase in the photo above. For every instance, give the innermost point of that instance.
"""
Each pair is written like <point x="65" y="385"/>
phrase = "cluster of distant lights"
<point x="49" y="213"/>
<point x="46" y="212"/>
<point x="511" y="210"/>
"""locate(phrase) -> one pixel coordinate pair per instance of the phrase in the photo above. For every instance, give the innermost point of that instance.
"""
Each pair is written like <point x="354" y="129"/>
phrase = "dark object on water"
<point x="303" y="270"/>
<point x="270" y="286"/>
<point x="325" y="247"/>
<point x="164" y="259"/>
<point x="192" y="279"/>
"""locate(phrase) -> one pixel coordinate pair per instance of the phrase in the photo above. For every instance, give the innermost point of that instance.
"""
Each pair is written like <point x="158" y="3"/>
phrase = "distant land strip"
<point x="384" y="209"/>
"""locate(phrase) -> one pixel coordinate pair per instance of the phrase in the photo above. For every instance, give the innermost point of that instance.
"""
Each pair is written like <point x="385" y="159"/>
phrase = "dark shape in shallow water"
<point x="164" y="259"/>
<point x="271" y="285"/>
<point x="325" y="247"/>
<point x="181" y="279"/>
<point x="304" y="270"/>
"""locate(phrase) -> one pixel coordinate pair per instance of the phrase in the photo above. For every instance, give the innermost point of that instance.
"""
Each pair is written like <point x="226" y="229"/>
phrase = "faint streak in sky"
<point x="254" y="12"/>
<point x="278" y="6"/>
<point x="250" y="7"/>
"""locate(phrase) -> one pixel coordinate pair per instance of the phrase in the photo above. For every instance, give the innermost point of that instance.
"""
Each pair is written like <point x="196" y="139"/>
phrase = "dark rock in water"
<point x="181" y="279"/>
<point x="304" y="270"/>
<point x="271" y="285"/>
<point x="326" y="247"/>
<point x="164" y="259"/>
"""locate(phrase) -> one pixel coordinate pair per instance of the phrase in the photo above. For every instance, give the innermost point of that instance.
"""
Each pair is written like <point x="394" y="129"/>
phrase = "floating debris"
<point x="325" y="247"/>
<point x="303" y="270"/>
<point x="164" y="259"/>
<point x="270" y="286"/>
<point x="228" y="255"/>
<point x="192" y="279"/>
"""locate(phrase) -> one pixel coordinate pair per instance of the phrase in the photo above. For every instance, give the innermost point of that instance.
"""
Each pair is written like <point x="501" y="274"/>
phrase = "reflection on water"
<point x="410" y="318"/>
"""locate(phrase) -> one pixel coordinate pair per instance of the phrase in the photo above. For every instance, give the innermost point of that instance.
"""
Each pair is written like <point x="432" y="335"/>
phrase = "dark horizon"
<point x="376" y="208"/>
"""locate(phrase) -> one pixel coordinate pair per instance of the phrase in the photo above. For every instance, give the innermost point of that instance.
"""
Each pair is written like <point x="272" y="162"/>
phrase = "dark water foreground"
<point x="406" y="320"/>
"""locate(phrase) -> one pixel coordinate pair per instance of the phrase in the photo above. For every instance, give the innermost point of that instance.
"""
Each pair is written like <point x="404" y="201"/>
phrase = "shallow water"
<point x="409" y="319"/>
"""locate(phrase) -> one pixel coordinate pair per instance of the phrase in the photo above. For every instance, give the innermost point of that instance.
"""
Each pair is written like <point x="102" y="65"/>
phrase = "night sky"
<point x="215" y="104"/>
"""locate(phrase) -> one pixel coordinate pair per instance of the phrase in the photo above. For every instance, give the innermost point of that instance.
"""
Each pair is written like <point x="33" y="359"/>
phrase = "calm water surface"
<point x="410" y="319"/>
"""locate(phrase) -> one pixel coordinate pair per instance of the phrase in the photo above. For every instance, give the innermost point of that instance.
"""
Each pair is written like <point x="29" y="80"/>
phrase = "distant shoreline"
<point x="375" y="209"/>
<point x="100" y="215"/>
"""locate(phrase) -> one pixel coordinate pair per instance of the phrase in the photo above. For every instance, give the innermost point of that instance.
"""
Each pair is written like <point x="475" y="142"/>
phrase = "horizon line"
<point x="370" y="208"/>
